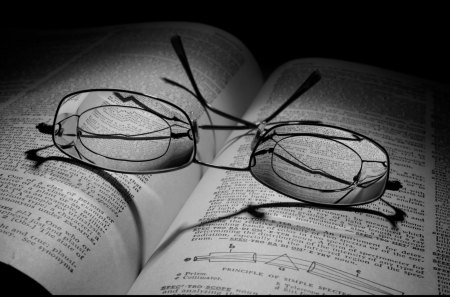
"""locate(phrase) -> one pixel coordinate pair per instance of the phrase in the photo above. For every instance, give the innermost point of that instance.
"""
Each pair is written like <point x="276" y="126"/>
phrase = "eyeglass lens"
<point x="321" y="164"/>
<point x="124" y="131"/>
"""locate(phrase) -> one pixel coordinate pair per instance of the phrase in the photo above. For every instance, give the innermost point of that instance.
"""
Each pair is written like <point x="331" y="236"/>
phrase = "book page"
<point x="76" y="229"/>
<point x="298" y="248"/>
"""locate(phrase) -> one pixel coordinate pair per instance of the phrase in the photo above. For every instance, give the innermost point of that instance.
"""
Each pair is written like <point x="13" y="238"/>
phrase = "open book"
<point x="79" y="230"/>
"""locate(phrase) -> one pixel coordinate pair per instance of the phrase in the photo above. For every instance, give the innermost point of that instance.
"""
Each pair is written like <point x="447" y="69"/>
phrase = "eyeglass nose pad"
<point x="58" y="130"/>
<point x="252" y="161"/>
<point x="195" y="131"/>
<point x="260" y="130"/>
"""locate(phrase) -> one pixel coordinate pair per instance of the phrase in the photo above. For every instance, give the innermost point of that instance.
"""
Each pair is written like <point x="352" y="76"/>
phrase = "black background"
<point x="407" y="37"/>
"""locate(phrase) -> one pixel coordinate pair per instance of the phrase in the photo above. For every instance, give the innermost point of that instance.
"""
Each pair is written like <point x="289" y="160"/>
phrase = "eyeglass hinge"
<point x="259" y="131"/>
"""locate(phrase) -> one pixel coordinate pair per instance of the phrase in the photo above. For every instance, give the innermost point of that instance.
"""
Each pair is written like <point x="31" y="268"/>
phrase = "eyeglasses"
<point x="130" y="132"/>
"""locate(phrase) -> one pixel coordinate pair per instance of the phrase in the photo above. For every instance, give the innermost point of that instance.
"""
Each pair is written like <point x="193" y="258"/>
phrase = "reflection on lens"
<point x="321" y="164"/>
<point x="124" y="131"/>
<point x="315" y="163"/>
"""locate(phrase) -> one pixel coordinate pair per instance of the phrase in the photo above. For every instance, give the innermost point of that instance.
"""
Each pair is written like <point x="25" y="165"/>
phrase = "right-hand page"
<point x="395" y="245"/>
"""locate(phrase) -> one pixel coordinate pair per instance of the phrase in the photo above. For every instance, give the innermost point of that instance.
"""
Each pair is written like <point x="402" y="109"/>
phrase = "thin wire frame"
<point x="281" y="178"/>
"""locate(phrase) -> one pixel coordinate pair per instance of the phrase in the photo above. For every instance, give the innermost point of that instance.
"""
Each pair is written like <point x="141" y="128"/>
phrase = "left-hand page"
<point x="75" y="229"/>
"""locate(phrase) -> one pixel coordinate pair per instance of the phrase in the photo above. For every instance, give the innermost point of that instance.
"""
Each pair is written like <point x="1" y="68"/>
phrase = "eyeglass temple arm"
<point x="179" y="50"/>
<point x="177" y="45"/>
<point x="313" y="78"/>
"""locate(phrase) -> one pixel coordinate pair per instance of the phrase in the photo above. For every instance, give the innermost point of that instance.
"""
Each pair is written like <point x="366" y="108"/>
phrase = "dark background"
<point x="408" y="37"/>
<point x="405" y="36"/>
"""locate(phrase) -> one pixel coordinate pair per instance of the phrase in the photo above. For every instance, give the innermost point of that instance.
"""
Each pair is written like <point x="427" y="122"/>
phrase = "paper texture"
<point x="309" y="250"/>
<point x="75" y="229"/>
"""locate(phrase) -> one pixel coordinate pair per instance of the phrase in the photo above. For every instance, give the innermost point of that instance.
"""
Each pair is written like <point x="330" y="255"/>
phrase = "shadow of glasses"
<point x="256" y="211"/>
<point x="33" y="155"/>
